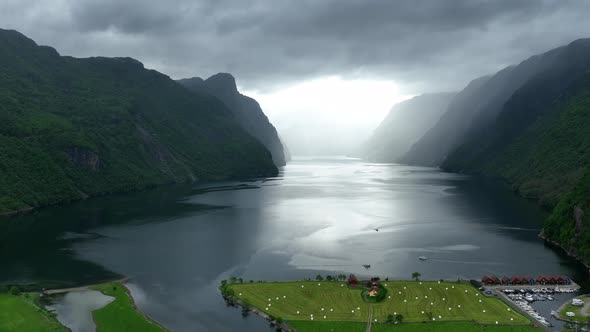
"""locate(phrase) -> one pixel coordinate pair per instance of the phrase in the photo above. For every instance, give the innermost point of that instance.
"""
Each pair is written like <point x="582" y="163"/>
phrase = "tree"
<point x="241" y="280"/>
<point x="233" y="279"/>
<point x="329" y="278"/>
<point x="319" y="277"/>
<point x="399" y="318"/>
<point x="14" y="290"/>
<point x="416" y="276"/>
<point x="390" y="319"/>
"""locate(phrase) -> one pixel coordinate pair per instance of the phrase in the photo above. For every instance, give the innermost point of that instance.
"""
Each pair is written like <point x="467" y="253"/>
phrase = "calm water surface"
<point x="318" y="216"/>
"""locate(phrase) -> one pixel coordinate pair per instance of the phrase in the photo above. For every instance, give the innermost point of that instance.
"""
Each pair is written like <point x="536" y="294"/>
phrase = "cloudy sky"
<point x="308" y="60"/>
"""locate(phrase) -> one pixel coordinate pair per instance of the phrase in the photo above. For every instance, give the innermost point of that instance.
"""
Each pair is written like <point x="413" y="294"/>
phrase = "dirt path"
<point x="370" y="320"/>
<point x="585" y="310"/>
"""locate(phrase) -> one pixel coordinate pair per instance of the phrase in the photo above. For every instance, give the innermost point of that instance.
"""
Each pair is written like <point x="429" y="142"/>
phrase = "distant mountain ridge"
<point x="528" y="124"/>
<point x="405" y="124"/>
<point x="72" y="128"/>
<point x="247" y="111"/>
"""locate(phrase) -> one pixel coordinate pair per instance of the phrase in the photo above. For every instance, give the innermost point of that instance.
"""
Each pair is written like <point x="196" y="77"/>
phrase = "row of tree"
<point x="340" y="277"/>
<point x="394" y="319"/>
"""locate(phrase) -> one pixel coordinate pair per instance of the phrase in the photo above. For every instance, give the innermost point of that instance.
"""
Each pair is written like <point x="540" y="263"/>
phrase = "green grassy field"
<point x="121" y="315"/>
<point x="19" y="313"/>
<point x="577" y="310"/>
<point x="309" y="326"/>
<point x="446" y="301"/>
<point x="304" y="300"/>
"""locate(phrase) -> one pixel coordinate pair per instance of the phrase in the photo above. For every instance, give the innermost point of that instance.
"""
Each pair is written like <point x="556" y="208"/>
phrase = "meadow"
<point x="121" y="314"/>
<point x="309" y="326"/>
<point x="20" y="313"/>
<point x="416" y="301"/>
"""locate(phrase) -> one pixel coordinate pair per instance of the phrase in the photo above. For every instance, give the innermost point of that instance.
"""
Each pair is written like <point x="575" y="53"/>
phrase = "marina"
<point x="525" y="297"/>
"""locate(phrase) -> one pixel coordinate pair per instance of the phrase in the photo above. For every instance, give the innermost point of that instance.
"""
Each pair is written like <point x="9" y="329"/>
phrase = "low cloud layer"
<point x="422" y="45"/>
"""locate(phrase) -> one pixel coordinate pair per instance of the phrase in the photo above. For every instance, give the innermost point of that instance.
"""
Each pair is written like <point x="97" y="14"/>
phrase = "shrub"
<point x="14" y="290"/>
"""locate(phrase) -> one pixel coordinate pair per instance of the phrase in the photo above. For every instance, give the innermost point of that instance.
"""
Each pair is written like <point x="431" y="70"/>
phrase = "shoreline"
<point x="556" y="245"/>
<point x="27" y="209"/>
<point x="283" y="326"/>
<point x="233" y="300"/>
<point x="146" y="316"/>
<point x="94" y="287"/>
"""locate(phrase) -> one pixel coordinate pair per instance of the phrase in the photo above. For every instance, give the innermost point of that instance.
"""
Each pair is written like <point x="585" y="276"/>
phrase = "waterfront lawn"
<point x="20" y="313"/>
<point x="121" y="314"/>
<point x="465" y="302"/>
<point x="452" y="327"/>
<point x="309" y="326"/>
<point x="580" y="317"/>
<point x="339" y="302"/>
<point x="284" y="299"/>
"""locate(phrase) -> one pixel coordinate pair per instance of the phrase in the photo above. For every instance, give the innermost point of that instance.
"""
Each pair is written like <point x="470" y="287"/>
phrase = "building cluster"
<point x="518" y="280"/>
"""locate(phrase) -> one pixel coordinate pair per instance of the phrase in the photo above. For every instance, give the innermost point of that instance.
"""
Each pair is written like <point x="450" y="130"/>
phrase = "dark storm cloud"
<point x="427" y="45"/>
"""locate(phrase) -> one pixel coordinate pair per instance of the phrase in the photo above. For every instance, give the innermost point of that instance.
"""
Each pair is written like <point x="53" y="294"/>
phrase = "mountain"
<point x="478" y="105"/>
<point x="529" y="125"/>
<point x="536" y="141"/>
<point x="72" y="128"/>
<point x="405" y="123"/>
<point x="246" y="110"/>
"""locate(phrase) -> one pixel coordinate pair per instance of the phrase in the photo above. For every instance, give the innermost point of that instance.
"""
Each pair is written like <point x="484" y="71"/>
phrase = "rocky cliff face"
<point x="246" y="110"/>
<point x="83" y="157"/>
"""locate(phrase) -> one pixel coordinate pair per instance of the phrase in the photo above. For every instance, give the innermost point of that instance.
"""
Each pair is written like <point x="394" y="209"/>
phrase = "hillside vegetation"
<point x="246" y="110"/>
<point x="72" y="128"/>
<point x="529" y="125"/>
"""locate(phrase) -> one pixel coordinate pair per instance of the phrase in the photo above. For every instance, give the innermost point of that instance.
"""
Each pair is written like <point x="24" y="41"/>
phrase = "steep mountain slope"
<point x="478" y="105"/>
<point x="72" y="127"/>
<point x="520" y="145"/>
<point x="540" y="143"/>
<point x="405" y="123"/>
<point x="246" y="110"/>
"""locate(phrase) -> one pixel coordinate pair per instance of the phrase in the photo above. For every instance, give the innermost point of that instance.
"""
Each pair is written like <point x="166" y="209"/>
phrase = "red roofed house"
<point x="495" y="280"/>
<point x="505" y="280"/>
<point x="485" y="280"/>
<point x="541" y="280"/>
<point x="352" y="280"/>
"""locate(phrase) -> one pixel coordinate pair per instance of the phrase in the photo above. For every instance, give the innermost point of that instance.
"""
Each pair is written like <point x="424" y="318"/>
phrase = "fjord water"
<point x="319" y="216"/>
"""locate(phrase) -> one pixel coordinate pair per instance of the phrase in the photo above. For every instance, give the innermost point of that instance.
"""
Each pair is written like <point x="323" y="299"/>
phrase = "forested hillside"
<point x="70" y="128"/>
<point x="529" y="125"/>
<point x="246" y="110"/>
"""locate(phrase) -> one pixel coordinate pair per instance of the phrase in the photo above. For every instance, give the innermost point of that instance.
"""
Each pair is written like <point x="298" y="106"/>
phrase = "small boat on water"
<point x="422" y="258"/>
<point x="367" y="266"/>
